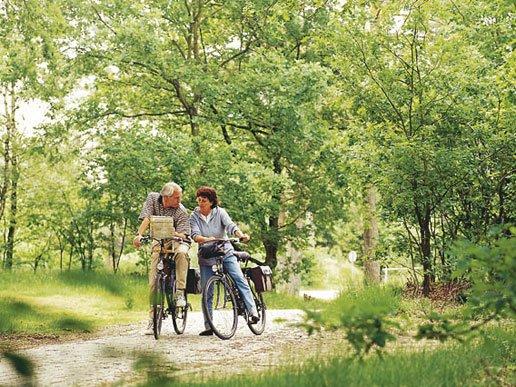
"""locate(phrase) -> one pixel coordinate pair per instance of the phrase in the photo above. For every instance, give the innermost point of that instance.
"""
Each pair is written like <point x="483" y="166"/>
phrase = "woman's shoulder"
<point x="220" y="210"/>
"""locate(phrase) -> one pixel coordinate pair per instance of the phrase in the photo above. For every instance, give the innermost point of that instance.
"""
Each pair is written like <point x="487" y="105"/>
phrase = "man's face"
<point x="173" y="200"/>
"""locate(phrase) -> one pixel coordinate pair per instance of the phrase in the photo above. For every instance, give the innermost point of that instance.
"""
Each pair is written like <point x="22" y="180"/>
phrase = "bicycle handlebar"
<point x="148" y="238"/>
<point x="241" y="256"/>
<point x="231" y="240"/>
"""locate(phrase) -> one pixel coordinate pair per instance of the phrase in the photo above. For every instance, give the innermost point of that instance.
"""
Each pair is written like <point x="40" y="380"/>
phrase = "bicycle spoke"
<point x="220" y="305"/>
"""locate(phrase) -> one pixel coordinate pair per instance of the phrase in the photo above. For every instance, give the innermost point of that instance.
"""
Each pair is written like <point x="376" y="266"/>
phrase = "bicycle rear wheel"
<point x="219" y="307"/>
<point x="158" y="301"/>
<point x="179" y="315"/>
<point x="261" y="308"/>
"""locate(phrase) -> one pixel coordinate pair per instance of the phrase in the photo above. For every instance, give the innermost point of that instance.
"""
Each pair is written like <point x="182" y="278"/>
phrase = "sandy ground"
<point x="111" y="357"/>
<point x="320" y="294"/>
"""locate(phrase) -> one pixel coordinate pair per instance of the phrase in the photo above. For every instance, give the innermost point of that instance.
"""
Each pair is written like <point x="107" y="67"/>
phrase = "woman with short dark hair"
<point x="210" y="222"/>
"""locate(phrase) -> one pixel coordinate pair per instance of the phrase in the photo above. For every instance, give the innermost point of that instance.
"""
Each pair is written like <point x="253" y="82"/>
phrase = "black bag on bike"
<point x="193" y="281"/>
<point x="211" y="250"/>
<point x="262" y="278"/>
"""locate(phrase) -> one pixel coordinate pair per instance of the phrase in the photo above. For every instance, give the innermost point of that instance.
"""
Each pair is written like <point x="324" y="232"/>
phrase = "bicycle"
<point x="166" y="289"/>
<point x="227" y="304"/>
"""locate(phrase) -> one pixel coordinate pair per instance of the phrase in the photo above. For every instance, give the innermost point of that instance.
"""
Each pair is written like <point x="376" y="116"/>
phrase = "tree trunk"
<point x="112" y="252"/>
<point x="9" y="254"/>
<point x="370" y="237"/>
<point x="7" y="148"/>
<point x="5" y="172"/>
<point x="270" y="242"/>
<point x="70" y="258"/>
<point x="372" y="273"/>
<point x="426" y="252"/>
<point x="124" y="234"/>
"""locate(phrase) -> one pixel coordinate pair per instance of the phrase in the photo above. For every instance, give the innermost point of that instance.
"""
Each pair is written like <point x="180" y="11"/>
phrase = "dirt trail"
<point x="111" y="357"/>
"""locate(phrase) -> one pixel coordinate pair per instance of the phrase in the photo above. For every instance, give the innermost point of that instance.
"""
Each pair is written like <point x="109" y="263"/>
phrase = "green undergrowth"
<point x="484" y="361"/>
<point x="53" y="302"/>
<point x="75" y="301"/>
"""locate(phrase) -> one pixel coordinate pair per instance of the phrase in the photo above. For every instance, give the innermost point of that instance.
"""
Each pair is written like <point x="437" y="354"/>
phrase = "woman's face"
<point x="204" y="204"/>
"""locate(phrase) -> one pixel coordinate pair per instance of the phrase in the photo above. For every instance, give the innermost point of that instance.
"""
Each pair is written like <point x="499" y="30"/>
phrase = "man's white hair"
<point x="169" y="189"/>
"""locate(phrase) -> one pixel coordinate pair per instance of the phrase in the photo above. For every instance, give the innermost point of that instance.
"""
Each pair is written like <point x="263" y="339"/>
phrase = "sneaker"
<point x="180" y="300"/>
<point x="253" y="317"/>
<point x="207" y="332"/>
<point x="150" y="329"/>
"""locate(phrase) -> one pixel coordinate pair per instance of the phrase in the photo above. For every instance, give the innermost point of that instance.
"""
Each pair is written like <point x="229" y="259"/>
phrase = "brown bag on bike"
<point x="262" y="278"/>
<point x="193" y="281"/>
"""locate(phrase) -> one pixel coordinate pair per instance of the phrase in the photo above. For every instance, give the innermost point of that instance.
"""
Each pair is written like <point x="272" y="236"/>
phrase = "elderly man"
<point x="166" y="203"/>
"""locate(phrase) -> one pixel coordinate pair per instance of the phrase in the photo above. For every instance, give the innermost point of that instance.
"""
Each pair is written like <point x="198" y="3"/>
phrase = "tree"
<point x="412" y="78"/>
<point x="200" y="67"/>
<point x="31" y="57"/>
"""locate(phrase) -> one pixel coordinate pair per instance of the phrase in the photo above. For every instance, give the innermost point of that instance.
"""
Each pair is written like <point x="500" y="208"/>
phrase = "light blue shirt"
<point x="217" y="224"/>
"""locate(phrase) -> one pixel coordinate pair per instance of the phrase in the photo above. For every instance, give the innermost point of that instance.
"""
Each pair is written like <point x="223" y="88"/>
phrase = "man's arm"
<point x="182" y="221"/>
<point x="143" y="227"/>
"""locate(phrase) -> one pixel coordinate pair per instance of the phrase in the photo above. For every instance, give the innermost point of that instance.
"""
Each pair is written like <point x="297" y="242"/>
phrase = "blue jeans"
<point x="232" y="267"/>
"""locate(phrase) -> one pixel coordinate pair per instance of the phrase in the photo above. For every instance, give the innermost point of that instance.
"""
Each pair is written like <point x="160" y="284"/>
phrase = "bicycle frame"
<point x="166" y="288"/>
<point x="218" y="270"/>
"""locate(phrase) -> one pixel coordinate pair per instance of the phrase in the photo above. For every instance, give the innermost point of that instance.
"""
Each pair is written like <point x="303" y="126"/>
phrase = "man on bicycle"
<point x="166" y="203"/>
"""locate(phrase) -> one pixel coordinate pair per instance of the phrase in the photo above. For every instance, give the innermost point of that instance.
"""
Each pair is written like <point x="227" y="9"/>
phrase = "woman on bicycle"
<point x="210" y="222"/>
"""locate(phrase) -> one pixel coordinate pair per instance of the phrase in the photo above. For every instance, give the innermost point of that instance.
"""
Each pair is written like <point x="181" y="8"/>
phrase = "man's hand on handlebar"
<point x="137" y="241"/>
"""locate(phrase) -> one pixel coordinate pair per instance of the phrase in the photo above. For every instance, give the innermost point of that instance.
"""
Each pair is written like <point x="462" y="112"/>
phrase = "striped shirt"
<point x="217" y="224"/>
<point x="154" y="207"/>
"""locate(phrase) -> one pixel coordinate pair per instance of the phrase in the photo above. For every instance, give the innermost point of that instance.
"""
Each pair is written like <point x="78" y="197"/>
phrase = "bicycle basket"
<point x="161" y="227"/>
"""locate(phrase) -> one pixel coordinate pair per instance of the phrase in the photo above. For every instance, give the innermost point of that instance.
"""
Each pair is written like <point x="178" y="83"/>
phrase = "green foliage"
<point x="491" y="269"/>
<point x="441" y="328"/>
<point x="486" y="361"/>
<point x="290" y="109"/>
<point x="365" y="315"/>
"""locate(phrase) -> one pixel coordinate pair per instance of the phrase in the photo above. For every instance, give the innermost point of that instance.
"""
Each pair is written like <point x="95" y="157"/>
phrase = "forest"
<point x="326" y="126"/>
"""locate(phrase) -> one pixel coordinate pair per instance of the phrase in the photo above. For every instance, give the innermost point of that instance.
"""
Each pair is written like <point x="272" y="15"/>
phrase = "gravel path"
<point x="111" y="357"/>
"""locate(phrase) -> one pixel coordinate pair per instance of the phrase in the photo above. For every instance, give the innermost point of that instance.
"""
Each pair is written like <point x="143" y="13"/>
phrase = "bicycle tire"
<point x="224" y="317"/>
<point x="158" y="304"/>
<point x="261" y="308"/>
<point x="179" y="315"/>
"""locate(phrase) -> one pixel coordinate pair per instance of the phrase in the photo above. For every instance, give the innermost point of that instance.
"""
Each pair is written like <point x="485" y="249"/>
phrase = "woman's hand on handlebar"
<point x="243" y="237"/>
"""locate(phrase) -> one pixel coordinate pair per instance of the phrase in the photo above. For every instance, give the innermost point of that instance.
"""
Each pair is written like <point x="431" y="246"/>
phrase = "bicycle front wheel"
<point x="219" y="307"/>
<point x="179" y="317"/>
<point x="158" y="306"/>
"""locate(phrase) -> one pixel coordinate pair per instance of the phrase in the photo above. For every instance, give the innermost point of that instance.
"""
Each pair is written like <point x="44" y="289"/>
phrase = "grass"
<point x="455" y="365"/>
<point x="70" y="302"/>
<point x="49" y="302"/>
<point x="487" y="360"/>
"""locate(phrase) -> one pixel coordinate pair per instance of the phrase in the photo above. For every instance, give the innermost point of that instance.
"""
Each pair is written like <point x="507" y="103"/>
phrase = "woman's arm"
<point x="231" y="227"/>
<point x="196" y="230"/>
<point x="203" y="239"/>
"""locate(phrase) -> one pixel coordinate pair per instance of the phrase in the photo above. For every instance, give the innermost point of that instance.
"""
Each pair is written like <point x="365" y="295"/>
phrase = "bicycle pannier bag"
<point x="193" y="281"/>
<point x="262" y="278"/>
